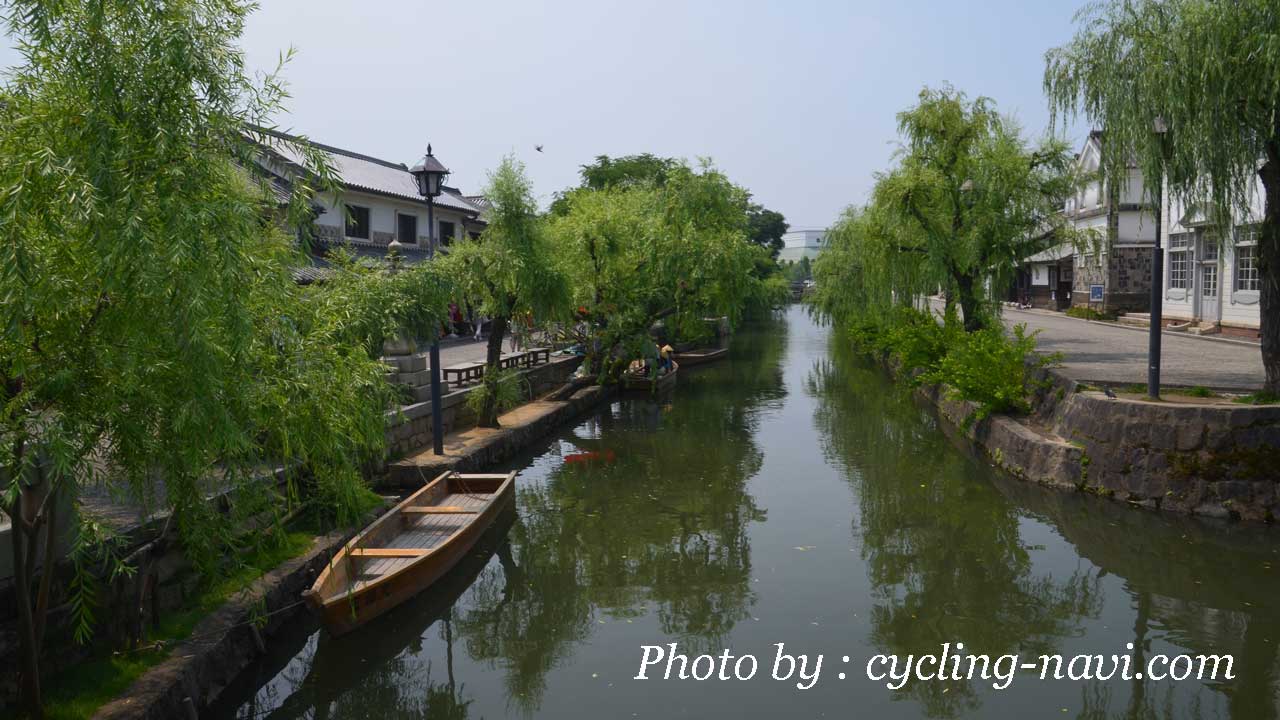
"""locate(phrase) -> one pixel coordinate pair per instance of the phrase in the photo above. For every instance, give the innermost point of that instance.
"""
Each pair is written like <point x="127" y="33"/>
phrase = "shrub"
<point x="918" y="340"/>
<point x="990" y="369"/>
<point x="506" y="385"/>
<point x="1085" y="312"/>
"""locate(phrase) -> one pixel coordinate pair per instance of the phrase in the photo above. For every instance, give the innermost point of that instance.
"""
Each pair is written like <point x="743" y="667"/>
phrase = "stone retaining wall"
<point x="1213" y="460"/>
<point x="223" y="643"/>
<point x="409" y="428"/>
<point x="496" y="446"/>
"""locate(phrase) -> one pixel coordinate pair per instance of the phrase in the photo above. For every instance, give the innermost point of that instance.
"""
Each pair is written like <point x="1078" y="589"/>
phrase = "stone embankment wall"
<point x="127" y="608"/>
<point x="1213" y="460"/>
<point x="409" y="428"/>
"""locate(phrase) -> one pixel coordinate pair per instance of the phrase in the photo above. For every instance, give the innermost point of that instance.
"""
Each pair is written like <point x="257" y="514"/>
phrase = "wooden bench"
<point x="537" y="356"/>
<point x="463" y="373"/>
<point x="512" y="360"/>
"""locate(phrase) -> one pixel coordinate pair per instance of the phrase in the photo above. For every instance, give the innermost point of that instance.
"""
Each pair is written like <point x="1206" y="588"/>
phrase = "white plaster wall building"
<point x="379" y="202"/>
<point x="1211" y="277"/>
<point x="799" y="244"/>
<point x="1123" y="223"/>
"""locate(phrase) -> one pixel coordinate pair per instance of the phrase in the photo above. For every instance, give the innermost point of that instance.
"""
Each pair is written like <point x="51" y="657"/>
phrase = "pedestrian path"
<point x="1102" y="352"/>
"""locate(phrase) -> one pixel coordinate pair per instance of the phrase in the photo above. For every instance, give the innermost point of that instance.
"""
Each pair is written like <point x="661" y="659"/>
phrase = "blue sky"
<point x="794" y="100"/>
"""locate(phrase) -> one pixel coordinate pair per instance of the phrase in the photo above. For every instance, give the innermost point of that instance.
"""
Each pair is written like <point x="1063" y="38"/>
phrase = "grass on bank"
<point x="80" y="690"/>
<point x="1262" y="397"/>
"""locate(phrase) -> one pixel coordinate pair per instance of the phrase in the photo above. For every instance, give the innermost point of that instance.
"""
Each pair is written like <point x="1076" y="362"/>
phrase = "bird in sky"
<point x="538" y="148"/>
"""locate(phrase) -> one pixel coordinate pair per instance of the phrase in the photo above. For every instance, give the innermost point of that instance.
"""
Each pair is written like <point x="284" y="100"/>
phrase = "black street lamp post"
<point x="430" y="175"/>
<point x="1157" y="278"/>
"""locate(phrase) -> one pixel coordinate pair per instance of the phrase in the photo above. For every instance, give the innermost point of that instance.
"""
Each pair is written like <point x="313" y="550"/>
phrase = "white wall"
<point x="1132" y="188"/>
<point x="1136" y="227"/>
<point x="383" y="211"/>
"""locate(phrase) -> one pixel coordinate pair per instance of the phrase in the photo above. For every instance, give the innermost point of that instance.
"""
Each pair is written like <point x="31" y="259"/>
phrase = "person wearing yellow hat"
<point x="664" y="358"/>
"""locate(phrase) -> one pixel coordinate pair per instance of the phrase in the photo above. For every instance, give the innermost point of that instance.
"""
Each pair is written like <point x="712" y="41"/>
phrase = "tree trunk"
<point x="1269" y="273"/>
<point x="973" y="320"/>
<point x="30" y="648"/>
<point x="489" y="411"/>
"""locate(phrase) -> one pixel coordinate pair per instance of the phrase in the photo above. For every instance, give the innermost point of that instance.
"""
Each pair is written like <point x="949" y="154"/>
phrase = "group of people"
<point x="460" y="326"/>
<point x="660" y="358"/>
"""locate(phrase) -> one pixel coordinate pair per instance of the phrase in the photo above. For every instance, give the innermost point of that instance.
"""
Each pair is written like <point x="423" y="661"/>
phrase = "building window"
<point x="446" y="232"/>
<point x="1210" y="247"/>
<point x="1247" y="278"/>
<point x="1178" y="265"/>
<point x="407" y="228"/>
<point x="358" y="222"/>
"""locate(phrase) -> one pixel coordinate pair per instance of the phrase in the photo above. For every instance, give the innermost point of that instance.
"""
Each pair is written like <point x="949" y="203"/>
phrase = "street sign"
<point x="1095" y="293"/>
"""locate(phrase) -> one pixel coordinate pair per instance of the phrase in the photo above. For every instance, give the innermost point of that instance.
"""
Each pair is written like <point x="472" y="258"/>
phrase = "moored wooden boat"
<point x="690" y="358"/>
<point x="639" y="381"/>
<point x="406" y="550"/>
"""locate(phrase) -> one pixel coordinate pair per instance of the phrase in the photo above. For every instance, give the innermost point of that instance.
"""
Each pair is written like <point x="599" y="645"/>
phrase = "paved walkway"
<point x="459" y="350"/>
<point x="1103" y="352"/>
<point x="1117" y="355"/>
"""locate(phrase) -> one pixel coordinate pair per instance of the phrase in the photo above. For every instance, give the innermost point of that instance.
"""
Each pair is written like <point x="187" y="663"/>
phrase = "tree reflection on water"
<point x="947" y="560"/>
<point x="943" y="549"/>
<point x="661" y="529"/>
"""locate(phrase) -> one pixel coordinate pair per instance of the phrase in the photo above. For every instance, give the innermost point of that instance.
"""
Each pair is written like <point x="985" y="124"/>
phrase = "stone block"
<point x="414" y="379"/>
<point x="407" y="363"/>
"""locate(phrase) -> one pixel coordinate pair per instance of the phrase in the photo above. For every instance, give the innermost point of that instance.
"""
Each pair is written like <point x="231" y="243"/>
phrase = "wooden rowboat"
<point x="690" y="358"/>
<point x="406" y="550"/>
<point x="640" y="381"/>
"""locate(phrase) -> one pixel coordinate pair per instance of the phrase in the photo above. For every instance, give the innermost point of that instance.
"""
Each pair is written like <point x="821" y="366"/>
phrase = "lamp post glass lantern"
<point x="430" y="175"/>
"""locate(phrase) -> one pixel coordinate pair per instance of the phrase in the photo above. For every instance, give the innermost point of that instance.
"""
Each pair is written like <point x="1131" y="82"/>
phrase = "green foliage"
<point x="1210" y="71"/>
<point x="80" y="691"/>
<point x="1201" y="391"/>
<point x="505" y="390"/>
<point x="989" y="368"/>
<point x="151" y="335"/>
<point x="766" y="227"/>
<point x="675" y="252"/>
<point x="1262" y="397"/>
<point x="967" y="201"/>
<point x="512" y="270"/>
<point x="95" y="550"/>
<point x="799" y="270"/>
<point x="1085" y="312"/>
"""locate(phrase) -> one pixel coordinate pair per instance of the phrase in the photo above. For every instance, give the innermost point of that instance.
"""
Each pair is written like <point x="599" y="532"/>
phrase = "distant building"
<point x="379" y="202"/>
<point x="1044" y="280"/>
<point x="799" y="244"/>
<point x="1124" y="224"/>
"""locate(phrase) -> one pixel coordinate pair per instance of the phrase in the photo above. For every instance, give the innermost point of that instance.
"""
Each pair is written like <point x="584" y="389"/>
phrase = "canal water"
<point x="791" y="495"/>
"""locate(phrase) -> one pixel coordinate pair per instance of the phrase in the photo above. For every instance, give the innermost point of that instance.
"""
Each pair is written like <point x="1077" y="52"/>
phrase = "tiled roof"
<point x="1053" y="254"/>
<point x="362" y="172"/>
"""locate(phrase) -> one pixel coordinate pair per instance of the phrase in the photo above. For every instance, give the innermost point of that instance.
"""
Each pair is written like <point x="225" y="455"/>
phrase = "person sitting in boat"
<point x="665" y="363"/>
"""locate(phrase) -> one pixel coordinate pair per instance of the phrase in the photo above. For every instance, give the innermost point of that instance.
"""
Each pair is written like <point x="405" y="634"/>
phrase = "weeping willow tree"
<point x="151" y="337"/>
<point x="1206" y="72"/>
<point x="966" y="203"/>
<point x="678" y="252"/>
<point x="511" y="271"/>
<point x="862" y="273"/>
<point x="973" y="198"/>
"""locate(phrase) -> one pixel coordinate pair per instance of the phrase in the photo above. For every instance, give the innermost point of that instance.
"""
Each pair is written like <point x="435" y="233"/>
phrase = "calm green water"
<point x="792" y="495"/>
